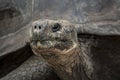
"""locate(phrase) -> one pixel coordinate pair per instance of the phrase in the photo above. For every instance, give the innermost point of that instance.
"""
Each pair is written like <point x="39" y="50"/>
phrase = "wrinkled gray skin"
<point x="32" y="69"/>
<point x="98" y="17"/>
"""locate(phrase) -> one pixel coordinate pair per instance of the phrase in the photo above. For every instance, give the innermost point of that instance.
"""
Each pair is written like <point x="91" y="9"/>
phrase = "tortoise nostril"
<point x="35" y="27"/>
<point x="39" y="27"/>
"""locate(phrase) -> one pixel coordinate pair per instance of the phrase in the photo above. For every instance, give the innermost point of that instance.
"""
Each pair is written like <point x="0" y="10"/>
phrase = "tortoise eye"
<point x="56" y="27"/>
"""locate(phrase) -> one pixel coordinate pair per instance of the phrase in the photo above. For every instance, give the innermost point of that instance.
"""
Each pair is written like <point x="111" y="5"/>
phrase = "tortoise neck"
<point x="77" y="66"/>
<point x="66" y="68"/>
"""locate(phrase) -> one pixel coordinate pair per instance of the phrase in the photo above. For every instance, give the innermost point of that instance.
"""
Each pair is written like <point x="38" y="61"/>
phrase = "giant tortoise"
<point x="96" y="27"/>
<point x="75" y="66"/>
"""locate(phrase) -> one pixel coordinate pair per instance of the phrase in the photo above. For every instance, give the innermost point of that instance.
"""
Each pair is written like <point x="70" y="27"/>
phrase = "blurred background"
<point x="14" y="14"/>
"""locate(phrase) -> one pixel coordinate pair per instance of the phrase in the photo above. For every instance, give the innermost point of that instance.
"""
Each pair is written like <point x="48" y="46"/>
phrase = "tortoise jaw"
<point x="48" y="43"/>
<point x="42" y="50"/>
<point x="39" y="45"/>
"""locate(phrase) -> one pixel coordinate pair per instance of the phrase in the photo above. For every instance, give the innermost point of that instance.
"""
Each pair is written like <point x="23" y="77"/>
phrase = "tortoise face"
<point x="52" y="36"/>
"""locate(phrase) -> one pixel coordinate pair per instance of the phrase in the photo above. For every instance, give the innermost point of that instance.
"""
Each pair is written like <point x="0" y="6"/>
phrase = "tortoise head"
<point x="56" y="41"/>
<point x="51" y="35"/>
<point x="53" y="39"/>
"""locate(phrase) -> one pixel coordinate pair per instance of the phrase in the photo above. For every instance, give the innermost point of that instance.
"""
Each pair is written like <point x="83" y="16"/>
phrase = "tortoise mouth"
<point x="52" y="48"/>
<point x="60" y="44"/>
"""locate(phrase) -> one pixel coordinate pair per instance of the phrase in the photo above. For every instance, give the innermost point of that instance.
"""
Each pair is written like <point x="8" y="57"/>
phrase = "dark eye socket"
<point x="56" y="27"/>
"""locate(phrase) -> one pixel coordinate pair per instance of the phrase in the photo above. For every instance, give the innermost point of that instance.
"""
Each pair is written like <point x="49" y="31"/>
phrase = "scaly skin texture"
<point x="34" y="68"/>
